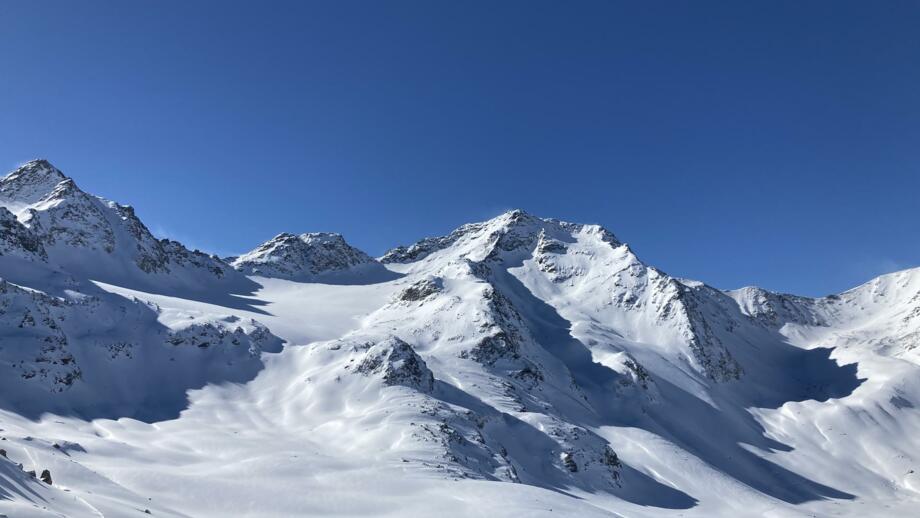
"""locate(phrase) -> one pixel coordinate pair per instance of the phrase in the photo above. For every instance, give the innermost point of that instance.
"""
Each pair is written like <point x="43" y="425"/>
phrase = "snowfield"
<point x="516" y="367"/>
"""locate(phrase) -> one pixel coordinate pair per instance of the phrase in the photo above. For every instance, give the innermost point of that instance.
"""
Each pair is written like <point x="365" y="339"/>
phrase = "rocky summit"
<point x="303" y="257"/>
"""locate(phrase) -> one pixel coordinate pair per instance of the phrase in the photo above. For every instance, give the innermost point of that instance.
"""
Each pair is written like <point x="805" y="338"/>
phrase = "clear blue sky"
<point x="772" y="143"/>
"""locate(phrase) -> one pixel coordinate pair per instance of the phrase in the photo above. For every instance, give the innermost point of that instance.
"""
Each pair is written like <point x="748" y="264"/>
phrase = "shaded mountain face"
<point x="541" y="359"/>
<point x="75" y="349"/>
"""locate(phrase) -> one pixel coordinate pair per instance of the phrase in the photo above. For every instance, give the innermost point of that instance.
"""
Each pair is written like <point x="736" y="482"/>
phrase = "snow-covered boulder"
<point x="397" y="364"/>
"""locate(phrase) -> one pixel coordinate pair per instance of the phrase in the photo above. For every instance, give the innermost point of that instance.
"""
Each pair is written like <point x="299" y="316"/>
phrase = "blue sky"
<point x="771" y="143"/>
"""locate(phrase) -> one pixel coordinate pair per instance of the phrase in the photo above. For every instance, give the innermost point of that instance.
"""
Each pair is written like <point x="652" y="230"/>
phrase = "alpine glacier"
<point x="518" y="366"/>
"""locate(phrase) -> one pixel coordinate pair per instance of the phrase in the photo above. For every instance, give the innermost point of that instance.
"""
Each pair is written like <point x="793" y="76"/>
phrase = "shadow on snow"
<point x="713" y="435"/>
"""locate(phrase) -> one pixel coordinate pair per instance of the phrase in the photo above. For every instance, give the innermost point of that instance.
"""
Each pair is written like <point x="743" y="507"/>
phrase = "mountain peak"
<point x="515" y="214"/>
<point x="511" y="217"/>
<point x="35" y="170"/>
<point x="511" y="230"/>
<point x="30" y="183"/>
<point x="89" y="236"/>
<point x="324" y="237"/>
<point x="302" y="257"/>
<point x="37" y="165"/>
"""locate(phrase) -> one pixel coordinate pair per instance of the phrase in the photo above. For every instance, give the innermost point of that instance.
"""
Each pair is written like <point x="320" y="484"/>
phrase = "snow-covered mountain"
<point x="55" y="222"/>
<point x="518" y="366"/>
<point x="317" y="257"/>
<point x="70" y="347"/>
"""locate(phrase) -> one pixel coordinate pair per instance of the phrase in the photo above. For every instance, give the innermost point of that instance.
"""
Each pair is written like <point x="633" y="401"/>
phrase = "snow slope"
<point x="518" y="366"/>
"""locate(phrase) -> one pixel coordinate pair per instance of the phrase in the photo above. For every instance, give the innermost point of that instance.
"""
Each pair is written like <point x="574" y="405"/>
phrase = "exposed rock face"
<point x="47" y="339"/>
<point x="425" y="247"/>
<point x="503" y="331"/>
<point x="34" y="346"/>
<point x="17" y="240"/>
<point x="246" y="338"/>
<point x="420" y="290"/>
<point x="776" y="309"/>
<point x="303" y="257"/>
<point x="29" y="184"/>
<point x="398" y="364"/>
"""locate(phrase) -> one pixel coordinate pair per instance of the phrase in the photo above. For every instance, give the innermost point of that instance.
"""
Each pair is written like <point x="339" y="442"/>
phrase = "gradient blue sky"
<point x="772" y="143"/>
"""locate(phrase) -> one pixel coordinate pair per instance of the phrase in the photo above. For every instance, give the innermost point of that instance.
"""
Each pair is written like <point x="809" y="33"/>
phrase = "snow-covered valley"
<point x="515" y="367"/>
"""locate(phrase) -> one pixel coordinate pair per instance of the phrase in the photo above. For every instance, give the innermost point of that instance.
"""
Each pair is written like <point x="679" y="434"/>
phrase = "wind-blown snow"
<point x="518" y="366"/>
